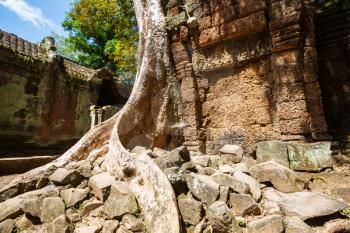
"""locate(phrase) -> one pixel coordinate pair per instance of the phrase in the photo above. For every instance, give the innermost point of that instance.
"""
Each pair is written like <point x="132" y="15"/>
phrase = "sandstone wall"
<point x="248" y="71"/>
<point x="44" y="100"/>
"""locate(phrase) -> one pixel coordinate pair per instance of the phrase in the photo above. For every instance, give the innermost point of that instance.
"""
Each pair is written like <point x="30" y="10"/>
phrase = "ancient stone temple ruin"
<point x="250" y="135"/>
<point x="49" y="102"/>
<point x="250" y="71"/>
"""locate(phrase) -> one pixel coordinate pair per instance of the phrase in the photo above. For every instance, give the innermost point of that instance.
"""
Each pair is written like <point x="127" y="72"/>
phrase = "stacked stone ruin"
<point x="249" y="71"/>
<point x="45" y="101"/>
<point x="257" y="156"/>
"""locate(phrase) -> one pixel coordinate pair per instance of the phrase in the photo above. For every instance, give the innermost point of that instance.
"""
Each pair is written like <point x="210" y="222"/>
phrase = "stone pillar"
<point x="93" y="115"/>
<point x="188" y="89"/>
<point x="299" y="101"/>
<point x="99" y="112"/>
<point x="287" y="63"/>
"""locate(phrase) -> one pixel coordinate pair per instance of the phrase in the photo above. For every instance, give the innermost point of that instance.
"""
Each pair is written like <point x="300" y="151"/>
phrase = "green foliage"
<point x="102" y="33"/>
<point x="346" y="212"/>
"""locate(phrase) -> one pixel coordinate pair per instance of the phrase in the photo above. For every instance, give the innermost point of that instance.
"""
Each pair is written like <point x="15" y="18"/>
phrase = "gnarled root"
<point x="142" y="121"/>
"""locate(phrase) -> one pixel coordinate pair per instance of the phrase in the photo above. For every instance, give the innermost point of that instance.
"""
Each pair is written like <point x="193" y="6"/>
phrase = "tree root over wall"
<point x="143" y="121"/>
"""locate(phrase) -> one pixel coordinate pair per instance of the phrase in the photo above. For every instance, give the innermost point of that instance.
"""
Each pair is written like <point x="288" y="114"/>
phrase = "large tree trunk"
<point x="143" y="121"/>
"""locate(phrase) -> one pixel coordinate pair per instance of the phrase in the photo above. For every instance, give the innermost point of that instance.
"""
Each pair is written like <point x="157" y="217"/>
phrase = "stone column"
<point x="287" y="63"/>
<point x="99" y="115"/>
<point x="188" y="89"/>
<point x="92" y="116"/>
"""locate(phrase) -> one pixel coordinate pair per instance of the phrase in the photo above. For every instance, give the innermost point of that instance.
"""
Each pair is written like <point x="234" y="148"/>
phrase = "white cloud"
<point x="28" y="13"/>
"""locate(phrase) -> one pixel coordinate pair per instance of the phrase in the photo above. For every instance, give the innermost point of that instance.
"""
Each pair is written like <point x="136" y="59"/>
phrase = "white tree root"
<point x="142" y="121"/>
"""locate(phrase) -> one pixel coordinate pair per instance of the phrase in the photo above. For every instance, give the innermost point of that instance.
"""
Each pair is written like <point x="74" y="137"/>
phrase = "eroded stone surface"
<point x="296" y="225"/>
<point x="73" y="196"/>
<point x="281" y="177"/>
<point x="190" y="209"/>
<point x="271" y="224"/>
<point x="203" y="187"/>
<point x="101" y="185"/>
<point x="7" y="226"/>
<point x="220" y="218"/>
<point x="231" y="182"/>
<point x="120" y="201"/>
<point x="52" y="208"/>
<point x="310" y="156"/>
<point x="244" y="204"/>
<point x="307" y="205"/>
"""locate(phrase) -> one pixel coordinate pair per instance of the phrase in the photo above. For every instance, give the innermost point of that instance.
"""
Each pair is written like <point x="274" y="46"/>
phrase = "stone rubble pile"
<point x="275" y="193"/>
<point x="78" y="198"/>
<point x="289" y="187"/>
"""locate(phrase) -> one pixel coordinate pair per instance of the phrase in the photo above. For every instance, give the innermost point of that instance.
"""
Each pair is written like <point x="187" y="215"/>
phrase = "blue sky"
<point x="33" y="19"/>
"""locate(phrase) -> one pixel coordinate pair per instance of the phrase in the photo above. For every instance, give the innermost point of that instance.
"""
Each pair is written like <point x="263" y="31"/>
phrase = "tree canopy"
<point x="102" y="33"/>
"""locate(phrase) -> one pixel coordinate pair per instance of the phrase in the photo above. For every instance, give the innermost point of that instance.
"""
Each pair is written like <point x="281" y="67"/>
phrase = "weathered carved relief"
<point x="250" y="55"/>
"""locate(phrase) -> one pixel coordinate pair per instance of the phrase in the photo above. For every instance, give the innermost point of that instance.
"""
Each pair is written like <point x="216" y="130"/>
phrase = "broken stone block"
<point x="336" y="226"/>
<point x="85" y="169"/>
<point x="101" y="184"/>
<point x="242" y="167"/>
<point x="270" y="200"/>
<point x="24" y="222"/>
<point x="307" y="205"/>
<point x="58" y="225"/>
<point x="230" y="154"/>
<point x="190" y="209"/>
<point x="72" y="215"/>
<point x="271" y="224"/>
<point x="63" y="176"/>
<point x="120" y="201"/>
<point x="110" y="226"/>
<point x="220" y="218"/>
<point x="177" y="179"/>
<point x="73" y="196"/>
<point x="244" y="204"/>
<point x="310" y="156"/>
<point x="7" y="226"/>
<point x="272" y="150"/>
<point x="174" y="158"/>
<point x="231" y="182"/>
<point x="227" y="169"/>
<point x="90" y="206"/>
<point x="52" y="208"/>
<point x="132" y="223"/>
<point x="202" y="160"/>
<point x="32" y="206"/>
<point x="253" y="184"/>
<point x="10" y="209"/>
<point x="296" y="225"/>
<point x="281" y="177"/>
<point x="231" y="149"/>
<point x="203" y="187"/>
<point x="343" y="193"/>
<point x="87" y="229"/>
<point x="224" y="191"/>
